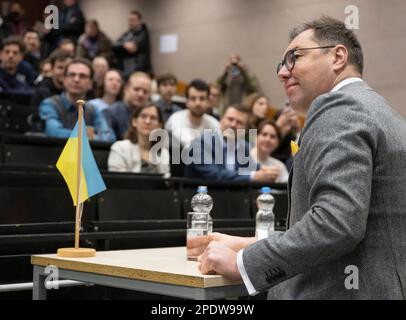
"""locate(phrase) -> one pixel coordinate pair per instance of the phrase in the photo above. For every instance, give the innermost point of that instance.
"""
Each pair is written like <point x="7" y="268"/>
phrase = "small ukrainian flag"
<point x="91" y="180"/>
<point x="294" y="147"/>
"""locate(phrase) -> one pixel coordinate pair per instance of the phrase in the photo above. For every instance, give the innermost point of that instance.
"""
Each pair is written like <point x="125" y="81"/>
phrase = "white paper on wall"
<point x="168" y="43"/>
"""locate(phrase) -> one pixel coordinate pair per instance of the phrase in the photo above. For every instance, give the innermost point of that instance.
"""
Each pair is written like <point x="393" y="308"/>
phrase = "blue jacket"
<point x="61" y="119"/>
<point x="208" y="166"/>
<point x="19" y="83"/>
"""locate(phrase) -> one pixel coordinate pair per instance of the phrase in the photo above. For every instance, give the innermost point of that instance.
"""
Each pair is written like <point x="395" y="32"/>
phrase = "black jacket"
<point x="45" y="89"/>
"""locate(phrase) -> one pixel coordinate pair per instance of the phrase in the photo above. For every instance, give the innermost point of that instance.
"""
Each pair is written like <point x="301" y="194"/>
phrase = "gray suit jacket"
<point x="347" y="205"/>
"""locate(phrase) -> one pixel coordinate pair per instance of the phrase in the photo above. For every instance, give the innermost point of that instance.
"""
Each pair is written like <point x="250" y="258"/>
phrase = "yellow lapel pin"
<point x="294" y="147"/>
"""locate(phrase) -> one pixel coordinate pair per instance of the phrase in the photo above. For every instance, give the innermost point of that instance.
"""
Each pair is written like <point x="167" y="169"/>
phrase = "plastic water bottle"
<point x="202" y="202"/>
<point x="265" y="219"/>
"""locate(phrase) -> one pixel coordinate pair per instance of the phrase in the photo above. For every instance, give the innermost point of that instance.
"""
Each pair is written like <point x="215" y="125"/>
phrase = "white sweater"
<point x="125" y="156"/>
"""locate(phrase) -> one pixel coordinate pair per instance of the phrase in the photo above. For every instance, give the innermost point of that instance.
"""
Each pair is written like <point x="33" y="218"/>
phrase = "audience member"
<point x="33" y="53"/>
<point x="15" y="22"/>
<point x="71" y="25"/>
<point x="136" y="94"/>
<point x="133" y="47"/>
<point x="68" y="46"/>
<point x="100" y="67"/>
<point x="94" y="42"/>
<point x="60" y="112"/>
<point x="45" y="70"/>
<point x="228" y="142"/>
<point x="258" y="105"/>
<point x="111" y="90"/>
<point x="15" y="76"/>
<point x="288" y="122"/>
<point x="188" y="124"/>
<point x="236" y="81"/>
<point x="133" y="154"/>
<point x="54" y="84"/>
<point x="214" y="107"/>
<point x="268" y="139"/>
<point x="166" y="89"/>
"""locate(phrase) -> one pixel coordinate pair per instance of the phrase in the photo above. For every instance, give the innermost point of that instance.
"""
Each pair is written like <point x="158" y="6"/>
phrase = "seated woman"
<point x="258" y="105"/>
<point x="111" y="91"/>
<point x="267" y="141"/>
<point x="133" y="154"/>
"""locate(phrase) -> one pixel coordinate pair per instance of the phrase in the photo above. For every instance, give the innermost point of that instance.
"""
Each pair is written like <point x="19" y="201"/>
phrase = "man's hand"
<point x="219" y="259"/>
<point x="90" y="132"/>
<point x="285" y="120"/>
<point x="265" y="175"/>
<point x="130" y="46"/>
<point x="197" y="245"/>
<point x="273" y="172"/>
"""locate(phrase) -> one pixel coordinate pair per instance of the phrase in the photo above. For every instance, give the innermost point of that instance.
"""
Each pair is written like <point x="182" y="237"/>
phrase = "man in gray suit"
<point x="346" y="236"/>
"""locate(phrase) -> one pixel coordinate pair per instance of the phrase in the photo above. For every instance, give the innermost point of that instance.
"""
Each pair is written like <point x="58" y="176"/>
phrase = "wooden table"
<point x="163" y="271"/>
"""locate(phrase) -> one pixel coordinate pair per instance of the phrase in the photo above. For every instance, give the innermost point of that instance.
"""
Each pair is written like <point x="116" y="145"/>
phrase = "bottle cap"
<point x="201" y="189"/>
<point x="265" y="190"/>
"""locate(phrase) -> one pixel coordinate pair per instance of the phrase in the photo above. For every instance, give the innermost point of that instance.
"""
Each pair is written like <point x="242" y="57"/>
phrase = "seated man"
<point x="187" y="125"/>
<point x="33" y="53"/>
<point x="15" y="76"/>
<point x="167" y="88"/>
<point x="136" y="94"/>
<point x="60" y="112"/>
<point x="224" y="155"/>
<point x="53" y="85"/>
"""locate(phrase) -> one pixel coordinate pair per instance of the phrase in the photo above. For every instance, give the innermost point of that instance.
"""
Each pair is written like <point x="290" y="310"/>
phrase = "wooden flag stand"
<point x="77" y="252"/>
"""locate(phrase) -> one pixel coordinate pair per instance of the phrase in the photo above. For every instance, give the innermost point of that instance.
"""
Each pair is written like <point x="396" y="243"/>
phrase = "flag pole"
<point x="80" y="104"/>
<point x="77" y="252"/>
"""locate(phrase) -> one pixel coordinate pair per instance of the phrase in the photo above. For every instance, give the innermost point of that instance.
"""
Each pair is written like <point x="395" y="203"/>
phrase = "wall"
<point x="209" y="30"/>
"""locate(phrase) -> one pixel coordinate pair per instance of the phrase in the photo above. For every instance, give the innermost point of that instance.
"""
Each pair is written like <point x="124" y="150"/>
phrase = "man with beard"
<point x="53" y="85"/>
<point x="187" y="125"/>
<point x="224" y="154"/>
<point x="132" y="49"/>
<point x="137" y="93"/>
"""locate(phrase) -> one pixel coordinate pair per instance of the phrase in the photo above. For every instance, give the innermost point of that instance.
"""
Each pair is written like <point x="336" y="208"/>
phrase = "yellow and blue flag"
<point x="91" y="180"/>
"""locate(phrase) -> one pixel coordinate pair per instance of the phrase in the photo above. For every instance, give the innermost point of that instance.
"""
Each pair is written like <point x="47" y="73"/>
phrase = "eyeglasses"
<point x="289" y="59"/>
<point x="82" y="76"/>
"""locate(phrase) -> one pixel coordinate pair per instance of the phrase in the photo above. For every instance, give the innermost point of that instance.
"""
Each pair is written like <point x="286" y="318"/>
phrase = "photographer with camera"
<point x="236" y="82"/>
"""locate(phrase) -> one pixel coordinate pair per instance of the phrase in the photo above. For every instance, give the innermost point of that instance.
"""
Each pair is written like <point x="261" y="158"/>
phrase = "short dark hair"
<point x="136" y="13"/>
<point x="329" y="31"/>
<point x="199" y="85"/>
<point x="66" y="40"/>
<point x="94" y="22"/>
<point x="166" y="78"/>
<point x="13" y="40"/>
<point x="58" y="55"/>
<point x="30" y="31"/>
<point x="239" y="107"/>
<point x="83" y="61"/>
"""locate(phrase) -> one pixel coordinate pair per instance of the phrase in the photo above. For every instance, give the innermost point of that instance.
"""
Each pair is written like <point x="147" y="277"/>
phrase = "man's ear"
<point x="340" y="57"/>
